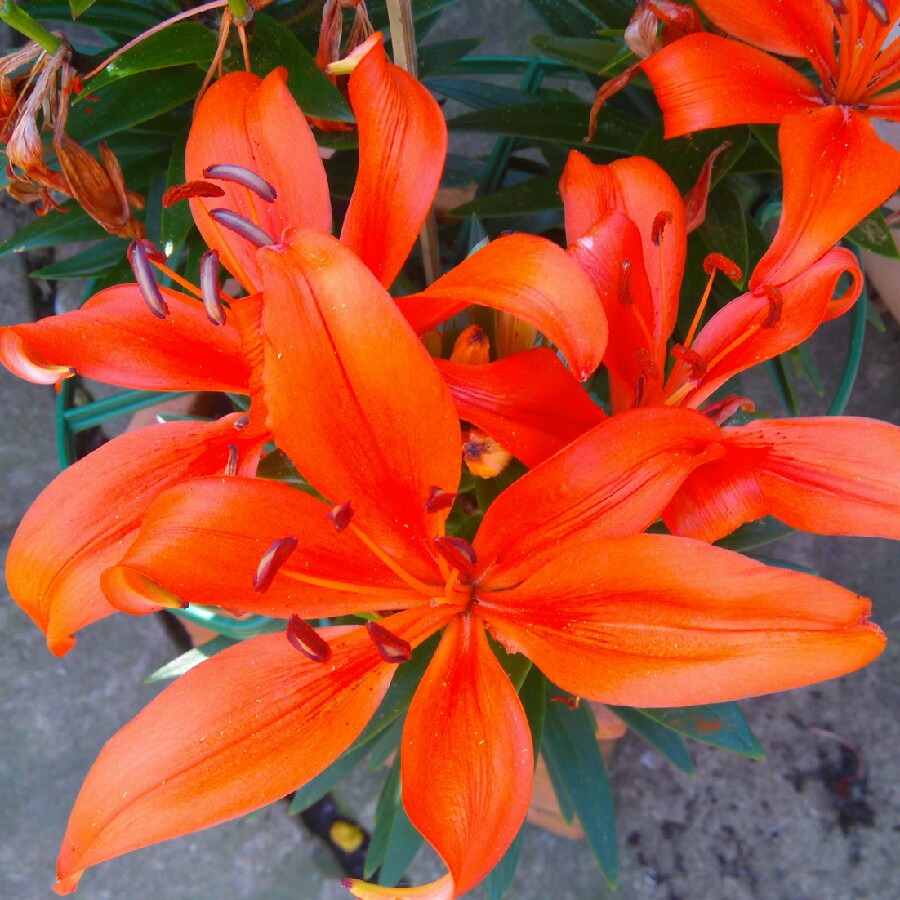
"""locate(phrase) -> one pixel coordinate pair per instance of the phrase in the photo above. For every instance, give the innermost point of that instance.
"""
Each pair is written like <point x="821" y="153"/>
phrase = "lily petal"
<point x="402" y="146"/>
<point x="705" y="81"/>
<point x="466" y="761"/>
<point x="256" y="124"/>
<point x="114" y="338"/>
<point x="199" y="755"/>
<point x="500" y="398"/>
<point x="70" y="535"/>
<point x="640" y="190"/>
<point x="534" y="280"/>
<point x="354" y="399"/>
<point x="615" y="479"/>
<point x="836" y="171"/>
<point x="830" y="475"/>
<point x="748" y="330"/>
<point x="202" y="542"/>
<point x="655" y="620"/>
<point x="442" y="889"/>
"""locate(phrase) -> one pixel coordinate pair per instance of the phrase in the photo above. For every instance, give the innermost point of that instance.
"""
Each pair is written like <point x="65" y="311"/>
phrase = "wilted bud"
<point x="641" y="34"/>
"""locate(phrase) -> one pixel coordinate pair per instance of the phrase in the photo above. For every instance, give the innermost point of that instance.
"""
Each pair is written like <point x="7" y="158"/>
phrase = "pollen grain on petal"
<point x="391" y="648"/>
<point x="303" y="637"/>
<point x="340" y="515"/>
<point x="271" y="561"/>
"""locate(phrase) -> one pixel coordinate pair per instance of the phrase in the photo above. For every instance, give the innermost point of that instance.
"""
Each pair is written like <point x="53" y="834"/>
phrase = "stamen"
<point x="640" y="388"/>
<point x="391" y="649"/>
<point x="457" y="552"/>
<point x="179" y="192"/>
<point x="776" y="304"/>
<point x="838" y="7"/>
<point x="715" y="261"/>
<point x="245" y="178"/>
<point x="879" y="10"/>
<point x="232" y="464"/>
<point x="439" y="499"/>
<point x="303" y="637"/>
<point x="272" y="560"/>
<point x="692" y="358"/>
<point x="241" y="422"/>
<point x="241" y="226"/>
<point x="140" y="265"/>
<point x="660" y="221"/>
<point x="340" y="515"/>
<point x="209" y="287"/>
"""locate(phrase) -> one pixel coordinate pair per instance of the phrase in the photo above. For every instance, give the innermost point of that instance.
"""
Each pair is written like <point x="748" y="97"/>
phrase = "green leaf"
<point x="567" y="17"/>
<point x="724" y="230"/>
<point x="873" y="234"/>
<point x="385" y="744"/>
<point x="785" y="384"/>
<point x="93" y="261"/>
<point x="477" y="94"/>
<point x="720" y="725"/>
<point x="129" y="102"/>
<point x="591" y="55"/>
<point x="394" y="841"/>
<point x="571" y="751"/>
<point x="272" y="46"/>
<point x="442" y="55"/>
<point x="683" y="157"/>
<point x="319" y="786"/>
<point x="177" y="220"/>
<point x="183" y="43"/>
<point x="79" y="6"/>
<point x="755" y="534"/>
<point x="181" y="664"/>
<point x="533" y="696"/>
<point x="121" y="18"/>
<point x="498" y="881"/>
<point x="53" y="229"/>
<point x="532" y="196"/>
<point x="555" y="122"/>
<point x="662" y="739"/>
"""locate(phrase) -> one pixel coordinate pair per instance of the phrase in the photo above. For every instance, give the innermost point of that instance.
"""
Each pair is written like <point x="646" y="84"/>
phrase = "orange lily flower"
<point x="836" y="169"/>
<point x="558" y="571"/>
<point x="253" y="170"/>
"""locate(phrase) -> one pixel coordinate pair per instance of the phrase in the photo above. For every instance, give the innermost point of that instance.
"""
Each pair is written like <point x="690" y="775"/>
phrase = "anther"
<point x="776" y="304"/>
<point x="660" y="221"/>
<point x="303" y="637"/>
<point x="391" y="649"/>
<point x="209" y="287"/>
<point x="232" y="463"/>
<point x="241" y="226"/>
<point x="692" y="358"/>
<point x="241" y="422"/>
<point x="625" y="283"/>
<point x="456" y="551"/>
<point x="340" y="515"/>
<point x="879" y="10"/>
<point x="716" y="261"/>
<point x="189" y="189"/>
<point x="143" y="273"/>
<point x="271" y="561"/>
<point x="439" y="499"/>
<point x="244" y="177"/>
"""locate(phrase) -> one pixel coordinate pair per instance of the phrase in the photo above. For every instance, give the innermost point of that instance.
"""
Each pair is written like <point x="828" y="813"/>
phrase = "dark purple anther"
<point x="272" y="560"/>
<point x="244" y="177"/>
<point x="244" y="227"/>
<point x="143" y="272"/>
<point x="209" y="287"/>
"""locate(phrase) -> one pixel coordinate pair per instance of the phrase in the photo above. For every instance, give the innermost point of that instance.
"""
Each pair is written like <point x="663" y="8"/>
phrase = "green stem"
<point x="20" y="21"/>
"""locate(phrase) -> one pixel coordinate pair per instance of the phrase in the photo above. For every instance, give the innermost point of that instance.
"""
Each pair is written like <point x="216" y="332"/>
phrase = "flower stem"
<point x="20" y="21"/>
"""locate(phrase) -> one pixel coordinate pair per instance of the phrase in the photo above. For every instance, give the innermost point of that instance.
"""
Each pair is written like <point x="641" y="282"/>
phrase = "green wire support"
<point x="854" y="354"/>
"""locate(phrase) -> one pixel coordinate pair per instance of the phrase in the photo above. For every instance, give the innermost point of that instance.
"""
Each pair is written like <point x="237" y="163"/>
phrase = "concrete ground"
<point x="777" y="829"/>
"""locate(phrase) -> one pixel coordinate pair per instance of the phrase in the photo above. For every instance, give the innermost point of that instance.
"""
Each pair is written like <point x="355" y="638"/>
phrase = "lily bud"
<point x="484" y="457"/>
<point x="512" y="335"/>
<point x="471" y="348"/>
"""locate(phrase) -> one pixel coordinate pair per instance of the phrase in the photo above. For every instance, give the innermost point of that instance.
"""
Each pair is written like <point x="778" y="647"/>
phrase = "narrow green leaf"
<point x="323" y="782"/>
<point x="120" y="18"/>
<point x="272" y="46"/>
<point x="555" y="122"/>
<point x="93" y="261"/>
<point x="402" y="846"/>
<point x="533" y="695"/>
<point x="785" y="384"/>
<point x="873" y="234"/>
<point x="385" y="809"/>
<point x="532" y="196"/>
<point x="570" y="748"/>
<point x="755" y="534"/>
<point x="720" y="725"/>
<point x="662" y="739"/>
<point x="53" y="229"/>
<point x="567" y="17"/>
<point x="442" y="55"/>
<point x="591" y="55"/>
<point x="183" y="43"/>
<point x="129" y="102"/>
<point x="725" y="228"/>
<point x="181" y="664"/>
<point x="477" y="94"/>
<point x="385" y="744"/>
<point x="498" y="881"/>
<point x="79" y="6"/>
